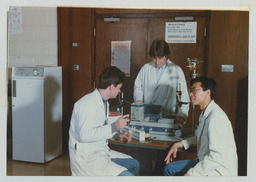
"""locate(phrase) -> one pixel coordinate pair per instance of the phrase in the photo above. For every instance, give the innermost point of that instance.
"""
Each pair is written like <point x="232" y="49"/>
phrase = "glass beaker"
<point x="192" y="65"/>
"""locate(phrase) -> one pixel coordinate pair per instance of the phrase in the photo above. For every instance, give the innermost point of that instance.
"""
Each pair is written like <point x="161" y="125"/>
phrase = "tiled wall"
<point x="37" y="44"/>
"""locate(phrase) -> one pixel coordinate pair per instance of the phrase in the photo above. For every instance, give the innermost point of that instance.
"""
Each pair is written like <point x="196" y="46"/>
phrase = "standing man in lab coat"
<point x="89" y="130"/>
<point x="158" y="82"/>
<point x="216" y="148"/>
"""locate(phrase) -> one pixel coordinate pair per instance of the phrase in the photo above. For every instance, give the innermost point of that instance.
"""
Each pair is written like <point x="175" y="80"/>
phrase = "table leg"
<point x="143" y="155"/>
<point x="160" y="163"/>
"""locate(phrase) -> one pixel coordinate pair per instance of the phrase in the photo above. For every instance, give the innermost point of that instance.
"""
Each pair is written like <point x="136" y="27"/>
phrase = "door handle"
<point x="14" y="88"/>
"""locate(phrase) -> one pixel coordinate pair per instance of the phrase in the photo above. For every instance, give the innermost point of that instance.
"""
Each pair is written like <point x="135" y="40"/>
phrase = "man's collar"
<point x="162" y="67"/>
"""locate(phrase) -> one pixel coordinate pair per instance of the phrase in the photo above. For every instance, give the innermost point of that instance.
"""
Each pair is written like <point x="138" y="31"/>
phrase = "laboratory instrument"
<point x="36" y="113"/>
<point x="137" y="111"/>
<point x="137" y="134"/>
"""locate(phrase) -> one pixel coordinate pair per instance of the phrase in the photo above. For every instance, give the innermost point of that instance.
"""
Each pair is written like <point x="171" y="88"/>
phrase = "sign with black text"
<point x="180" y="32"/>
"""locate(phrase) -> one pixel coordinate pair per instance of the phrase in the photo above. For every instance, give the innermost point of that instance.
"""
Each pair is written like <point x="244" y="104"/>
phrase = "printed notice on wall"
<point x="180" y="32"/>
<point x="15" y="20"/>
<point x="121" y="55"/>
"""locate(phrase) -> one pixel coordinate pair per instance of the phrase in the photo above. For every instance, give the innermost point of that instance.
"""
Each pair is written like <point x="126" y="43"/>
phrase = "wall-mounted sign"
<point x="15" y="20"/>
<point x="180" y="32"/>
<point x="121" y="55"/>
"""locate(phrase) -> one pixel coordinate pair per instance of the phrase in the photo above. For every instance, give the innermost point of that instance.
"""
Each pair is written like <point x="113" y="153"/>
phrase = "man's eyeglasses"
<point x="194" y="90"/>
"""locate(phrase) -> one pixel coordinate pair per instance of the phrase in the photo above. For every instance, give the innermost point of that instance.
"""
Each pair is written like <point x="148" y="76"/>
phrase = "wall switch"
<point x="76" y="67"/>
<point x="227" y="68"/>
<point x="74" y="44"/>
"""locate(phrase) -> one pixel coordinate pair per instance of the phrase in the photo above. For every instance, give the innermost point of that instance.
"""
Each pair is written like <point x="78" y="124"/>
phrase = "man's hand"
<point x="125" y="137"/>
<point x="122" y="122"/>
<point x="138" y="101"/>
<point x="173" y="152"/>
<point x="186" y="174"/>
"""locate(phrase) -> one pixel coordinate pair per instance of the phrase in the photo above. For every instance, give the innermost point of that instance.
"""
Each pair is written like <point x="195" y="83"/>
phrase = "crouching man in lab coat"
<point x="216" y="148"/>
<point x="158" y="82"/>
<point x="89" y="130"/>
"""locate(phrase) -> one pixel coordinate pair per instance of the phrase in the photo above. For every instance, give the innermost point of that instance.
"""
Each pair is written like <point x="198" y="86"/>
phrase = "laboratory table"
<point x="152" y="144"/>
<point x="142" y="151"/>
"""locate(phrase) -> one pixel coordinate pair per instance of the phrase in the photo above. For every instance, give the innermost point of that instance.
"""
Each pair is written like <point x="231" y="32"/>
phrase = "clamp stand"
<point x="192" y="67"/>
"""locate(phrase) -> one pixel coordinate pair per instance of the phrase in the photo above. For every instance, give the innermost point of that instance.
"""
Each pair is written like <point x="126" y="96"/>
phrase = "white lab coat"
<point x="88" y="146"/>
<point x="164" y="92"/>
<point x="216" y="148"/>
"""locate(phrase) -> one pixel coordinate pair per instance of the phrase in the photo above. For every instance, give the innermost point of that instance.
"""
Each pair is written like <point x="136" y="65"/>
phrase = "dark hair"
<point x="206" y="83"/>
<point x="111" y="75"/>
<point x="159" y="48"/>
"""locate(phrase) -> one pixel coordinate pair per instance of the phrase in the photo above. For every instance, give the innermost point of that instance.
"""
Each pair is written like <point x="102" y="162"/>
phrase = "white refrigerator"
<point x="36" y="113"/>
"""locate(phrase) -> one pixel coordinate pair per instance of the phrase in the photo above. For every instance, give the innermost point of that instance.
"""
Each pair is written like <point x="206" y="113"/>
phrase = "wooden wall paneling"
<point x="228" y="45"/>
<point x="75" y="25"/>
<point x="147" y="13"/>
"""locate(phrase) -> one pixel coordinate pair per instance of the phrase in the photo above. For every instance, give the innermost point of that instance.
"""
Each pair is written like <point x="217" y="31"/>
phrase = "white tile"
<point x="45" y="33"/>
<point x="27" y="18"/>
<point x="46" y="61"/>
<point x="40" y="18"/>
<point x="15" y="48"/>
<point x="27" y="34"/>
<point x="53" y="48"/>
<point x="48" y="9"/>
<point x="20" y="61"/>
<point x="37" y="45"/>
<point x="29" y="9"/>
<point x="52" y="18"/>
<point x="35" y="48"/>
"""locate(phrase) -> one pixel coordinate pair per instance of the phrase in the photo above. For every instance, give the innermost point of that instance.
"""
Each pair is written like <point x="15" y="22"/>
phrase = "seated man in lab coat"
<point x="216" y="148"/>
<point x="89" y="130"/>
<point x="158" y="82"/>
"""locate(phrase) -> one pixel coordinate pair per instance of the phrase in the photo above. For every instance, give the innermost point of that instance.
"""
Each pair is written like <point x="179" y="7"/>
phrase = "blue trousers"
<point x="179" y="168"/>
<point x="131" y="164"/>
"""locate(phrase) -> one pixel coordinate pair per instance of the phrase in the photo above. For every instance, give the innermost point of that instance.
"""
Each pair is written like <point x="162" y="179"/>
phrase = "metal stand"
<point x="193" y="111"/>
<point x="192" y="66"/>
<point x="122" y="105"/>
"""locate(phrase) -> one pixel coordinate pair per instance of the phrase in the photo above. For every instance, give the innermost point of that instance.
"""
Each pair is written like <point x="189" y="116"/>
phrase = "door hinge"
<point x="94" y="86"/>
<point x="205" y="31"/>
<point x="94" y="32"/>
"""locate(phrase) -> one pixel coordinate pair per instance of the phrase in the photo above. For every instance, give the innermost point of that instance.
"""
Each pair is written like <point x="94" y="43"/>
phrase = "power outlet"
<point x="227" y="68"/>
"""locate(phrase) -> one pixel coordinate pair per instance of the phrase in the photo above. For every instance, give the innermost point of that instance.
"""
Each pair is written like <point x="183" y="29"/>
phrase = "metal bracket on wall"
<point x="111" y="19"/>
<point x="184" y="18"/>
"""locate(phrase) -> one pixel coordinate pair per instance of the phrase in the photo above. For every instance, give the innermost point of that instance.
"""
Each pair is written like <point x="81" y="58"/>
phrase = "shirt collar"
<point x="163" y="67"/>
<point x="209" y="108"/>
<point x="104" y="101"/>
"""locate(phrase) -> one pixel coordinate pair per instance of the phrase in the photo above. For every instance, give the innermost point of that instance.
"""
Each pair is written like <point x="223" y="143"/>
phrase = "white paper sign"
<point x="180" y="32"/>
<point x="121" y="55"/>
<point x="15" y="20"/>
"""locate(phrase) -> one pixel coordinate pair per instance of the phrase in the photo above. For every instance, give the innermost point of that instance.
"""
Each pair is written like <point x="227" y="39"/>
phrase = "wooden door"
<point x="142" y="30"/>
<point x="126" y="29"/>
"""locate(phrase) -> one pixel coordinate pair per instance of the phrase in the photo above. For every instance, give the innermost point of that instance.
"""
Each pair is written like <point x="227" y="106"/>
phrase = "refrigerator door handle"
<point x="14" y="88"/>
